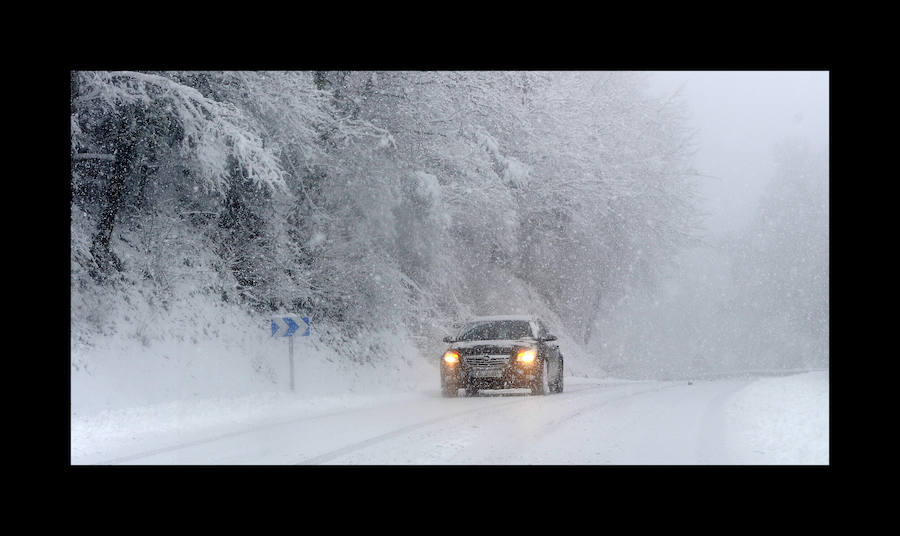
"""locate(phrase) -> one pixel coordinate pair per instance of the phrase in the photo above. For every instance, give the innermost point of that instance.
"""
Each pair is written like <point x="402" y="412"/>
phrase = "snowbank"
<point x="782" y="421"/>
<point x="198" y="348"/>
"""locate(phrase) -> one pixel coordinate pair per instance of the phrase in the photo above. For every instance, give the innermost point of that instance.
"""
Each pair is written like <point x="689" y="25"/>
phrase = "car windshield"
<point x="496" y="330"/>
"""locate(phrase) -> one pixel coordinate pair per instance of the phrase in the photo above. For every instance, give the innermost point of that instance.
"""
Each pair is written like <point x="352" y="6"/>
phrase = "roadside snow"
<point x="781" y="421"/>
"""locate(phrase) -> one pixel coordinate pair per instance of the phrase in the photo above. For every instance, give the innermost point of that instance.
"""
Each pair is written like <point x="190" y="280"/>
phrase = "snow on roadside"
<point x="781" y="421"/>
<point x="200" y="348"/>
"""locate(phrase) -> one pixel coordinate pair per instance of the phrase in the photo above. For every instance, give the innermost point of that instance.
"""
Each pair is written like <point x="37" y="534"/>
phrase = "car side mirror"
<point x="549" y="338"/>
<point x="449" y="339"/>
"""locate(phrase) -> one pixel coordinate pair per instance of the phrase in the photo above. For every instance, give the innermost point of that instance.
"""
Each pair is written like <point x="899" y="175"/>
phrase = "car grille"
<point x="487" y="366"/>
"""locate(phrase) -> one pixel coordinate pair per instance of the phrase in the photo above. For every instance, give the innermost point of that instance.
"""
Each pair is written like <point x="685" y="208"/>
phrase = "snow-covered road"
<point x="593" y="422"/>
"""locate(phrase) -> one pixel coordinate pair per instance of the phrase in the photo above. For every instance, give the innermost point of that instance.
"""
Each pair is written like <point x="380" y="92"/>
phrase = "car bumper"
<point x="512" y="376"/>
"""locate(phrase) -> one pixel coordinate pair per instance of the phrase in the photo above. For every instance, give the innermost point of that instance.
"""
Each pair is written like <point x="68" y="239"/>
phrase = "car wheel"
<point x="449" y="390"/>
<point x="449" y="387"/>
<point x="541" y="385"/>
<point x="557" y="385"/>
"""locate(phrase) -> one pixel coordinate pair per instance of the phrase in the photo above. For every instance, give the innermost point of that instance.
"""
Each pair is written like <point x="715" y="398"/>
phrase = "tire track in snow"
<point x="559" y="422"/>
<point x="327" y="456"/>
<point x="398" y="432"/>
<point x="179" y="446"/>
<point x="712" y="447"/>
<point x="554" y="424"/>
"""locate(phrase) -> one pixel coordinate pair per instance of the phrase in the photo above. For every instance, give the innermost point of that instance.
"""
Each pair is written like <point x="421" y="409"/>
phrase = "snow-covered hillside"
<point x="203" y="349"/>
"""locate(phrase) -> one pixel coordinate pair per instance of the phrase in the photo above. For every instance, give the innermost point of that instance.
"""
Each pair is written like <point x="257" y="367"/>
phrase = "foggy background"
<point x="753" y="294"/>
<point x="738" y="116"/>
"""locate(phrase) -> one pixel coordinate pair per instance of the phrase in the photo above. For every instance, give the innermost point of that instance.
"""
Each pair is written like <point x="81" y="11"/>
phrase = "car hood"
<point x="497" y="342"/>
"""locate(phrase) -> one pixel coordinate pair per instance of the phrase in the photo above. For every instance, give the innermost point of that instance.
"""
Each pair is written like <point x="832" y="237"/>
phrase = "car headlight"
<point x="526" y="355"/>
<point x="451" y="357"/>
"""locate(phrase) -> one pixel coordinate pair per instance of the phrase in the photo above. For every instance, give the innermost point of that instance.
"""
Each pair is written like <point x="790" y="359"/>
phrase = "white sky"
<point x="739" y="116"/>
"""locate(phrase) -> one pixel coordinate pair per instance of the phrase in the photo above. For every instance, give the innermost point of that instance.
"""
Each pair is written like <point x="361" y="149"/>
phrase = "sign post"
<point x="286" y="326"/>
<point x="291" y="357"/>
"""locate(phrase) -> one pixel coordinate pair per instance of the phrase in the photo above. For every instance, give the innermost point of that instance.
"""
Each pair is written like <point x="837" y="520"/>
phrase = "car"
<point x="502" y="352"/>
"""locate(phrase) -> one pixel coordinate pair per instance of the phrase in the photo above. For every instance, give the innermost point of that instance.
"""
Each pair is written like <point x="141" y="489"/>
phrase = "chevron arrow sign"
<point x="287" y="325"/>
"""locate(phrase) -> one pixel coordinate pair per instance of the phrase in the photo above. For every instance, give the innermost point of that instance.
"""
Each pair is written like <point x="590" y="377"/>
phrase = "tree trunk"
<point x="105" y="259"/>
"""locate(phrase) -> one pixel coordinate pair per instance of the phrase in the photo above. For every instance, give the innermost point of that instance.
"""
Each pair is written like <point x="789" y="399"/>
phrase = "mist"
<point x="752" y="294"/>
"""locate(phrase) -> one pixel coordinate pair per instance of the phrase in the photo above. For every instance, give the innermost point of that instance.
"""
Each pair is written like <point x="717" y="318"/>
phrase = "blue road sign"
<point x="292" y="326"/>
<point x="308" y="325"/>
<point x="286" y="326"/>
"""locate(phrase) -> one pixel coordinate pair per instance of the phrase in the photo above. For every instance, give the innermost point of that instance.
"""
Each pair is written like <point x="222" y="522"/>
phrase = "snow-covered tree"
<point x="380" y="200"/>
